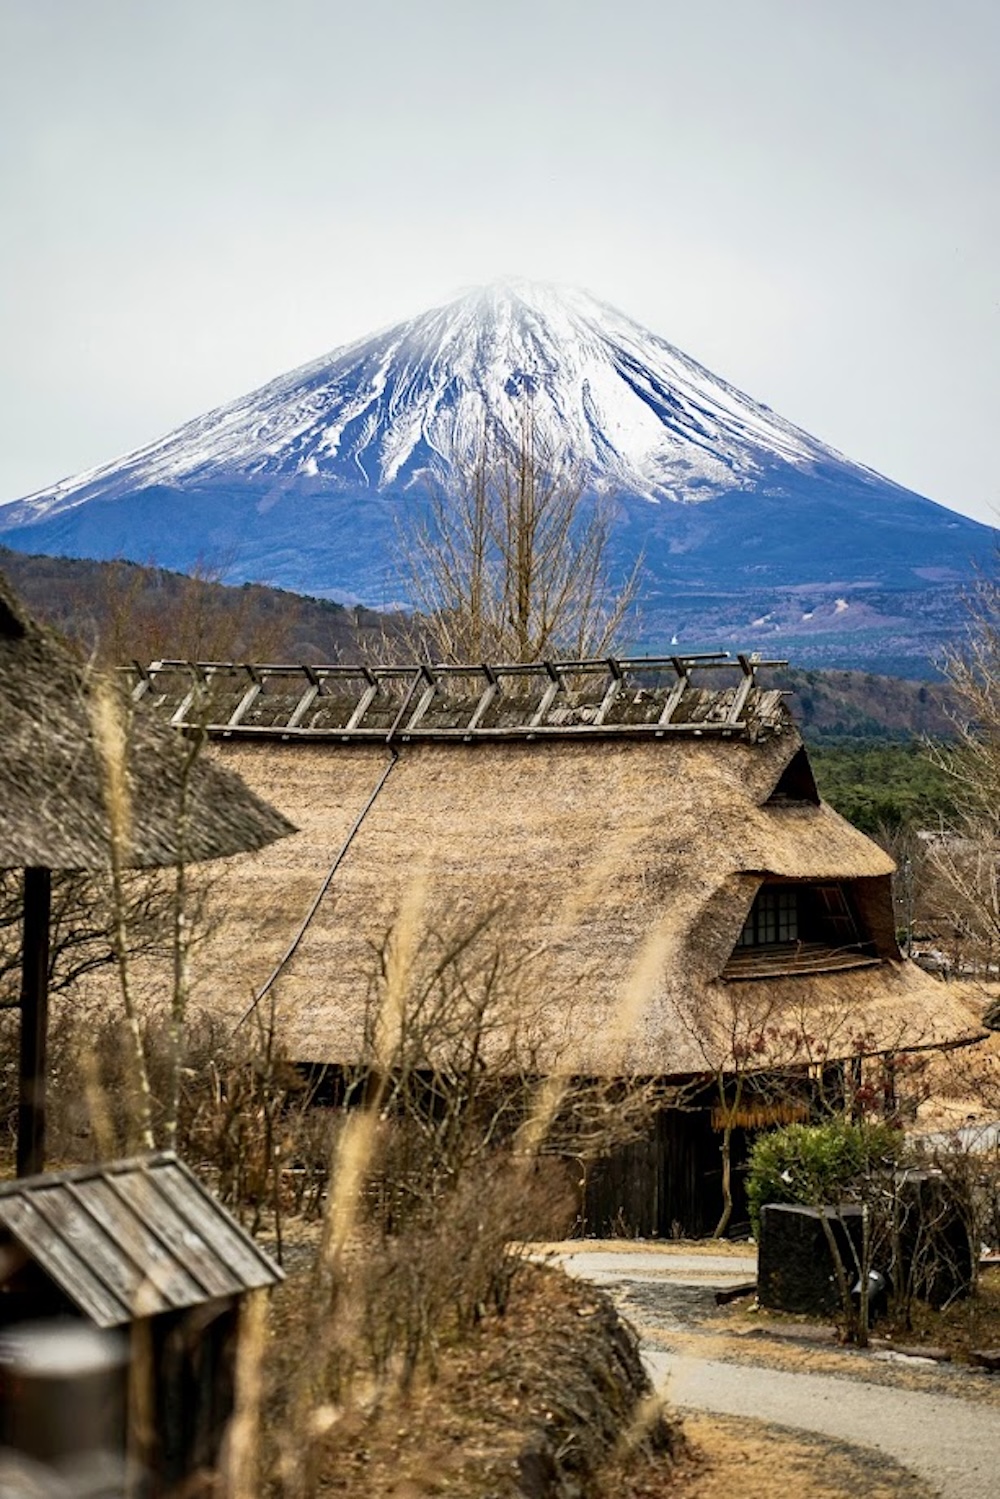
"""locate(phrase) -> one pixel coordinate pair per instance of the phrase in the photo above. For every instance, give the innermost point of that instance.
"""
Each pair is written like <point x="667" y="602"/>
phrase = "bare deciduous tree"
<point x="511" y="561"/>
<point x="967" y="856"/>
<point x="81" y="924"/>
<point x="467" y="1042"/>
<point x="132" y="613"/>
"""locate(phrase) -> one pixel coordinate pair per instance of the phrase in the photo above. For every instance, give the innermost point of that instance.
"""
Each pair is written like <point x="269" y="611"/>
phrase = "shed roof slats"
<point x="62" y="1262"/>
<point x="67" y="1212"/>
<point x="190" y="1255"/>
<point x="233" y="1248"/>
<point x="133" y="1238"/>
<point x="171" y="1283"/>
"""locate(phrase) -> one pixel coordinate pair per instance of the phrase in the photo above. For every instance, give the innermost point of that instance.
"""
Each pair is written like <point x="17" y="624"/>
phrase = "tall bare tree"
<point x="967" y="855"/>
<point x="511" y="560"/>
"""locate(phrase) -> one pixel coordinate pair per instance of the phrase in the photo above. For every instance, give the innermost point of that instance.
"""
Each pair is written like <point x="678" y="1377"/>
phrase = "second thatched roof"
<point x="80" y="766"/>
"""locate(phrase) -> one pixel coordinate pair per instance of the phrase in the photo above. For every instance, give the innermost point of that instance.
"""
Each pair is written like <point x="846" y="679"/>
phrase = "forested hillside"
<point x="125" y="612"/>
<point x="834" y="707"/>
<point x="882" y="787"/>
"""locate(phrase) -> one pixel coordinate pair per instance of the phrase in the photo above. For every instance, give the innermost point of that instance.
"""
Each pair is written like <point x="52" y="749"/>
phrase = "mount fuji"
<point x="751" y="531"/>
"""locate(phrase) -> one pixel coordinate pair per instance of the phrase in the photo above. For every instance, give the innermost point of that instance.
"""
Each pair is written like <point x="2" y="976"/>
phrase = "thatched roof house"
<point x="659" y="848"/>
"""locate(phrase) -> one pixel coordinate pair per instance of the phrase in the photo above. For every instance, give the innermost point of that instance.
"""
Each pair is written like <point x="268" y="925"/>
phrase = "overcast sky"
<point x="196" y="195"/>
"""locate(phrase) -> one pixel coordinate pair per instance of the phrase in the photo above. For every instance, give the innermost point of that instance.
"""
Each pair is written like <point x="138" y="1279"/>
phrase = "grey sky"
<point x="803" y="194"/>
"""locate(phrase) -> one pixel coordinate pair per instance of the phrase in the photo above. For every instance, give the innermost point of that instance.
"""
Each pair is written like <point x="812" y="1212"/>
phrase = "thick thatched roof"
<point x="625" y="868"/>
<point x="76" y="753"/>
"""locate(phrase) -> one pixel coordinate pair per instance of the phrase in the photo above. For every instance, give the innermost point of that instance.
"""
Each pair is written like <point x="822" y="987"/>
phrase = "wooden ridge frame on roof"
<point x="620" y="697"/>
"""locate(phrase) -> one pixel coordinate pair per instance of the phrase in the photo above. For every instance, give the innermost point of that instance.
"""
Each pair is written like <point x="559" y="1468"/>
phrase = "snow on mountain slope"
<point x="640" y="415"/>
<point x="774" y="539"/>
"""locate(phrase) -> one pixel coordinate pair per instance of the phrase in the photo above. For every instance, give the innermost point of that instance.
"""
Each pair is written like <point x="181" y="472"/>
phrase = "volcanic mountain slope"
<point x="751" y="530"/>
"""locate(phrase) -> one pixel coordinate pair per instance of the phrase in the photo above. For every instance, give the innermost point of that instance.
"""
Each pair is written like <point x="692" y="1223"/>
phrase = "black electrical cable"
<point x="328" y="879"/>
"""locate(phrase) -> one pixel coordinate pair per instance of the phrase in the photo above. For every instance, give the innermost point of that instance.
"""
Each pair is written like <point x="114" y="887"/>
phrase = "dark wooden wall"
<point x="669" y="1184"/>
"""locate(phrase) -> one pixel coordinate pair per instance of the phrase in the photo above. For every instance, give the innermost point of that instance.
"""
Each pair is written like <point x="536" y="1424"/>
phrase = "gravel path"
<point x="953" y="1444"/>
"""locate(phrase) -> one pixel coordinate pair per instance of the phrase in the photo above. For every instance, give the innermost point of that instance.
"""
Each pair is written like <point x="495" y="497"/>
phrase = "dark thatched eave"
<point x="54" y="772"/>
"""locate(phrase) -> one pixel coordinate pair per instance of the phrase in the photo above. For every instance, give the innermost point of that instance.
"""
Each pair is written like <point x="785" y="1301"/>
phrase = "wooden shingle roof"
<point x="133" y="1238"/>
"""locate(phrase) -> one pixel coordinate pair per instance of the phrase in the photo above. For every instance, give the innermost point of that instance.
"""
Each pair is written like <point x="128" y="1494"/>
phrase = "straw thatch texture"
<point x="626" y="870"/>
<point x="58" y="724"/>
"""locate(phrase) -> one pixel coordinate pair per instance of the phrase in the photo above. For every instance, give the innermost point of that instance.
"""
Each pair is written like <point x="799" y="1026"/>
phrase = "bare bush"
<point x="446" y="1161"/>
<point x="966" y="856"/>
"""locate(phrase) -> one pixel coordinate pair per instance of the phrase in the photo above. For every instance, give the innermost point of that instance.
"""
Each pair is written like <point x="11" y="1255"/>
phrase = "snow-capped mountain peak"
<point x="301" y="483"/>
<point x="634" y="413"/>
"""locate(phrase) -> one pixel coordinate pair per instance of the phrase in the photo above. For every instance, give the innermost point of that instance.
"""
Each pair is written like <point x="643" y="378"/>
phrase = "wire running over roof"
<point x="133" y="1238"/>
<point x="712" y="695"/>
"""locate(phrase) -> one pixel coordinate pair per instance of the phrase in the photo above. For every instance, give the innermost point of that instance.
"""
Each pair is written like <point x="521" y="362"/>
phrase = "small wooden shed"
<point x="137" y="1247"/>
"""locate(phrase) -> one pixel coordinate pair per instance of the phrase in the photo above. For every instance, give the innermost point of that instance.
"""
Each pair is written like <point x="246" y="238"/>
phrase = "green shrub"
<point x="817" y="1163"/>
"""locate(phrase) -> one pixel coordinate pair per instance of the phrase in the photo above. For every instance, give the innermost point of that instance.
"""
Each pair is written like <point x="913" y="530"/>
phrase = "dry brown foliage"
<point x="966" y="857"/>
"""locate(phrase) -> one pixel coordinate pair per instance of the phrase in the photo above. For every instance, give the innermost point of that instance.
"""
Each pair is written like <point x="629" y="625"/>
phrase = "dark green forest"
<point x="882" y="786"/>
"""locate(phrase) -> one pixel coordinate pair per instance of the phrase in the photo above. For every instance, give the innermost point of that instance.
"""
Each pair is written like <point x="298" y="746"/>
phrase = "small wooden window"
<point x="774" y="918"/>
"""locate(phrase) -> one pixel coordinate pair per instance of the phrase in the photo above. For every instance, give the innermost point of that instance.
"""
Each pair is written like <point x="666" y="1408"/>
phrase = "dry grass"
<point x="756" y="1461"/>
<point x="540" y="1391"/>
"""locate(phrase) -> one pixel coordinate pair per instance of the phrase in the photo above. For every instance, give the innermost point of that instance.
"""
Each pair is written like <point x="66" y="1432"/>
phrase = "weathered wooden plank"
<point x="367" y="698"/>
<point x="66" y="1212"/>
<point x="166" y="1283"/>
<point x="192" y="1257"/>
<point x="32" y="1229"/>
<point x="673" y="700"/>
<point x="611" y="692"/>
<point x="423" y="703"/>
<point x="249" y="697"/>
<point x="303" y="705"/>
<point x="740" y="697"/>
<point x="233" y="1250"/>
<point x="490" y="692"/>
